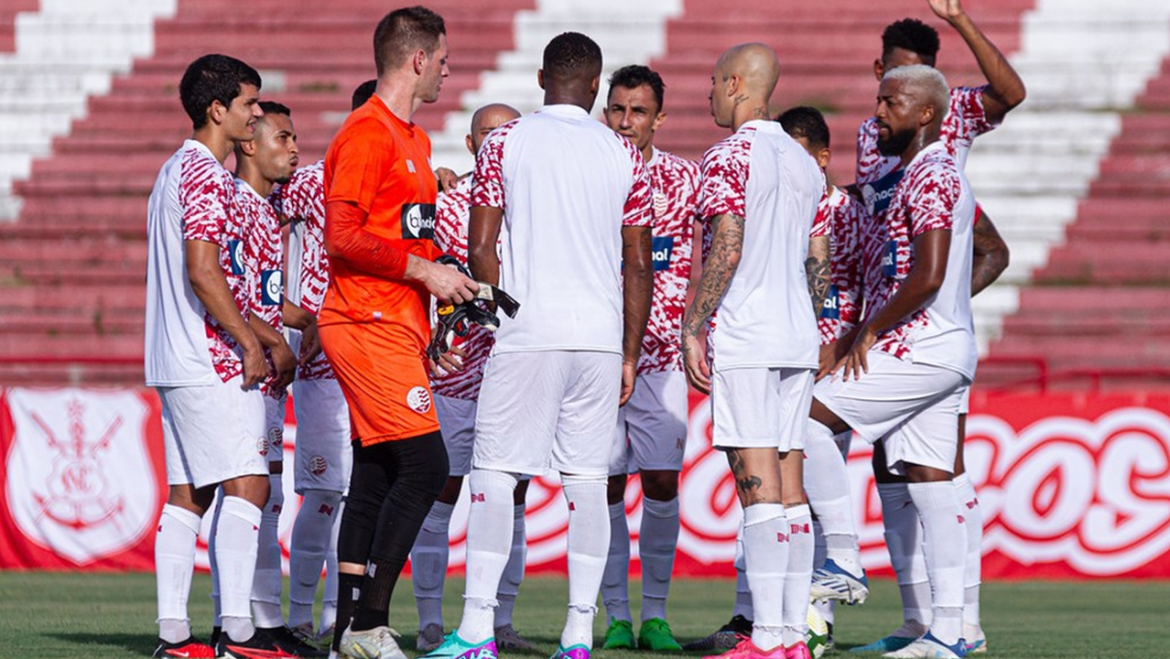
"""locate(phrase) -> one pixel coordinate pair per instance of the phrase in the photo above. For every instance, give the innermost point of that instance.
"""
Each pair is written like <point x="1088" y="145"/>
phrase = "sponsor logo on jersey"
<point x="661" y="248"/>
<point x="271" y="287"/>
<point x="236" y="256"/>
<point x="890" y="259"/>
<point x="418" y="221"/>
<point x="419" y="400"/>
<point x="832" y="308"/>
<point x="878" y="194"/>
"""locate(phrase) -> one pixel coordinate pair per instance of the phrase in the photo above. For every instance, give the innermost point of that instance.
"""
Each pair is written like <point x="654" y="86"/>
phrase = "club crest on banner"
<point x="79" y="477"/>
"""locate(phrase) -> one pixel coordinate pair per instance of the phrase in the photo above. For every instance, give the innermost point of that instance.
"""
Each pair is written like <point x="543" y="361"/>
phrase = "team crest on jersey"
<point x="832" y="307"/>
<point x="878" y="194"/>
<point x="660" y="249"/>
<point x="418" y="221"/>
<point x="318" y="465"/>
<point x="419" y="400"/>
<point x="271" y="287"/>
<point x="236" y="256"/>
<point x="79" y="479"/>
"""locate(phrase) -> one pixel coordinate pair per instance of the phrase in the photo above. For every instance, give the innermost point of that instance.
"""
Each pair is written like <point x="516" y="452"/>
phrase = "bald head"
<point x="745" y="77"/>
<point x="487" y="119"/>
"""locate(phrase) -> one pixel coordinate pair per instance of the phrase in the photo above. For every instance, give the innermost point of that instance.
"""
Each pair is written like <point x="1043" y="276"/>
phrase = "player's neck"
<point x="648" y="152"/>
<point x="212" y="137"/>
<point x="255" y="180"/>
<point x="927" y="136"/>
<point x="751" y="110"/>
<point x="398" y="97"/>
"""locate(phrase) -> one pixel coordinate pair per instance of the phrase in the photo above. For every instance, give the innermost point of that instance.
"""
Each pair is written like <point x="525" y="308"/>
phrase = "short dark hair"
<point x="571" y="55"/>
<point x="272" y="107"/>
<point x="636" y="75"/>
<point x="913" y="35"/>
<point x="213" y="78"/>
<point x="362" y="93"/>
<point x="404" y="31"/>
<point x="807" y="122"/>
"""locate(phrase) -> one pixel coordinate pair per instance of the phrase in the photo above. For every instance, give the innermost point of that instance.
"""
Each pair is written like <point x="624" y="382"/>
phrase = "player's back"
<point x="566" y="180"/>
<point x="766" y="317"/>
<point x="176" y="346"/>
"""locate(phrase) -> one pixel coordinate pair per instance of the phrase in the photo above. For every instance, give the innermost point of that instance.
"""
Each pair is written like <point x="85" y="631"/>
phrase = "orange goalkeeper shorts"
<point x="383" y="373"/>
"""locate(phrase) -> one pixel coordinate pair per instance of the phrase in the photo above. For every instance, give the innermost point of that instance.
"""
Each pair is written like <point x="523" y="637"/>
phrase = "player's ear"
<point x="595" y="86"/>
<point x="658" y="121"/>
<point x="216" y="112"/>
<point x="420" y="61"/>
<point x="823" y="157"/>
<point x="540" y="78"/>
<point x="925" y="114"/>
<point x="470" y="144"/>
<point x="248" y="148"/>
<point x="879" y="69"/>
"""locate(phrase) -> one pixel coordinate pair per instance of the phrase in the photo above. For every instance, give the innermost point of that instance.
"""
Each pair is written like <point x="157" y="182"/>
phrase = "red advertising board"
<point x="1072" y="486"/>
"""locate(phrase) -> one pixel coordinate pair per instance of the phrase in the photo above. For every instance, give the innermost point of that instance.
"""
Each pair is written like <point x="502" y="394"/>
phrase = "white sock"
<point x="657" y="541"/>
<point x="826" y="607"/>
<point x="428" y="564"/>
<point x="310" y="540"/>
<point x="615" y="586"/>
<point x="216" y="609"/>
<point x="765" y="553"/>
<point x="236" y="542"/>
<point x="743" y="592"/>
<point x="826" y="480"/>
<point x="903" y="536"/>
<point x="588" y="546"/>
<point x="489" y="544"/>
<point x="174" y="562"/>
<point x="514" y="571"/>
<point x="973" y="576"/>
<point x="266" y="584"/>
<point x="798" y="578"/>
<point x="329" y="597"/>
<point x="946" y="555"/>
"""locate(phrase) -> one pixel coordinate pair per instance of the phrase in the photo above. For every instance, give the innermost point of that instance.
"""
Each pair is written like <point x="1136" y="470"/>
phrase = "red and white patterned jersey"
<point x="302" y="202"/>
<point x="765" y="319"/>
<point x="262" y="247"/>
<point x="932" y="195"/>
<point x="191" y="200"/>
<point x="965" y="121"/>
<point x="451" y="218"/>
<point x="567" y="185"/>
<point x="842" y="309"/>
<point x="675" y="182"/>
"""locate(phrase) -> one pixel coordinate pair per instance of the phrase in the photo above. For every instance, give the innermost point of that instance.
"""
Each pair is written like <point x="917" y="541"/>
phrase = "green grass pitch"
<point x="85" y="616"/>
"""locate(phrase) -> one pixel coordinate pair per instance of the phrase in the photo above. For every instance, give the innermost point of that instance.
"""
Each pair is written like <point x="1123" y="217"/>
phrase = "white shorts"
<point x="548" y="410"/>
<point x="652" y="427"/>
<point x="919" y="400"/>
<point x="323" y="455"/>
<point x="213" y="433"/>
<point x="275" y="410"/>
<point x="457" y="424"/>
<point x="843" y="442"/>
<point x="760" y="407"/>
<point x="965" y="402"/>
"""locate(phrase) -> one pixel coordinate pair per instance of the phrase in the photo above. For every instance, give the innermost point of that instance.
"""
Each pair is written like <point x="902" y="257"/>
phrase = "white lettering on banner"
<point x="80" y="480"/>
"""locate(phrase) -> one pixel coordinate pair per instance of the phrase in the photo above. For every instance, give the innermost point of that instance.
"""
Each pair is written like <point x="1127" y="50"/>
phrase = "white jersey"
<point x="567" y="185"/>
<point x="191" y="200"/>
<point x="765" y="319"/>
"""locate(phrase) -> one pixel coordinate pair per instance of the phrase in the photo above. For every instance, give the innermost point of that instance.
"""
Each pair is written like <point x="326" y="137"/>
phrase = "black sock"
<point x="373" y="608"/>
<point x="349" y="588"/>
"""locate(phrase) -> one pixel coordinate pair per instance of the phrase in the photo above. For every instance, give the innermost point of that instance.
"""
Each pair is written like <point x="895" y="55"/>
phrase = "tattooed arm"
<point x="991" y="255"/>
<point x="718" y="269"/>
<point x="816" y="268"/>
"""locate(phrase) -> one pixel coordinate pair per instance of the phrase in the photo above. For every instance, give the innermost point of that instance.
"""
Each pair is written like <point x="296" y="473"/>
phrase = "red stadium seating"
<point x="1101" y="301"/>
<point x="8" y="14"/>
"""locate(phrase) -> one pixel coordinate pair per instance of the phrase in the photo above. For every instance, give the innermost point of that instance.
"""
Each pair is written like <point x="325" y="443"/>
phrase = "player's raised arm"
<point x="1005" y="87"/>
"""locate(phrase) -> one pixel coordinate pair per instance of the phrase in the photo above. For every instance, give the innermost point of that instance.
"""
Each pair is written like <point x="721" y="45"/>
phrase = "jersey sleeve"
<point x="694" y="189"/>
<point x="488" y="189"/>
<point x="639" y="207"/>
<point x="723" y="190"/>
<point x="823" y="222"/>
<point x="935" y="190"/>
<point x="967" y="104"/>
<point x="363" y="159"/>
<point x="205" y="195"/>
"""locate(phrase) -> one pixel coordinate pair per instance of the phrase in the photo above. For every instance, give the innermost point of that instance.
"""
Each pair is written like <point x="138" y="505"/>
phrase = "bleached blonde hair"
<point x="928" y="81"/>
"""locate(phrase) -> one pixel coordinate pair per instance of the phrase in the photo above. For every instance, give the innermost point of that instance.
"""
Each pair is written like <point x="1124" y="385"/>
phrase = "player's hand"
<point x="831" y="353"/>
<point x="629" y="377"/>
<point x="855" y="362"/>
<point x="449" y="362"/>
<point x="695" y="363"/>
<point x="310" y="345"/>
<point x="948" y="10"/>
<point x="255" y="366"/>
<point x="285" y="364"/>
<point x="447" y="284"/>
<point x="447" y="179"/>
